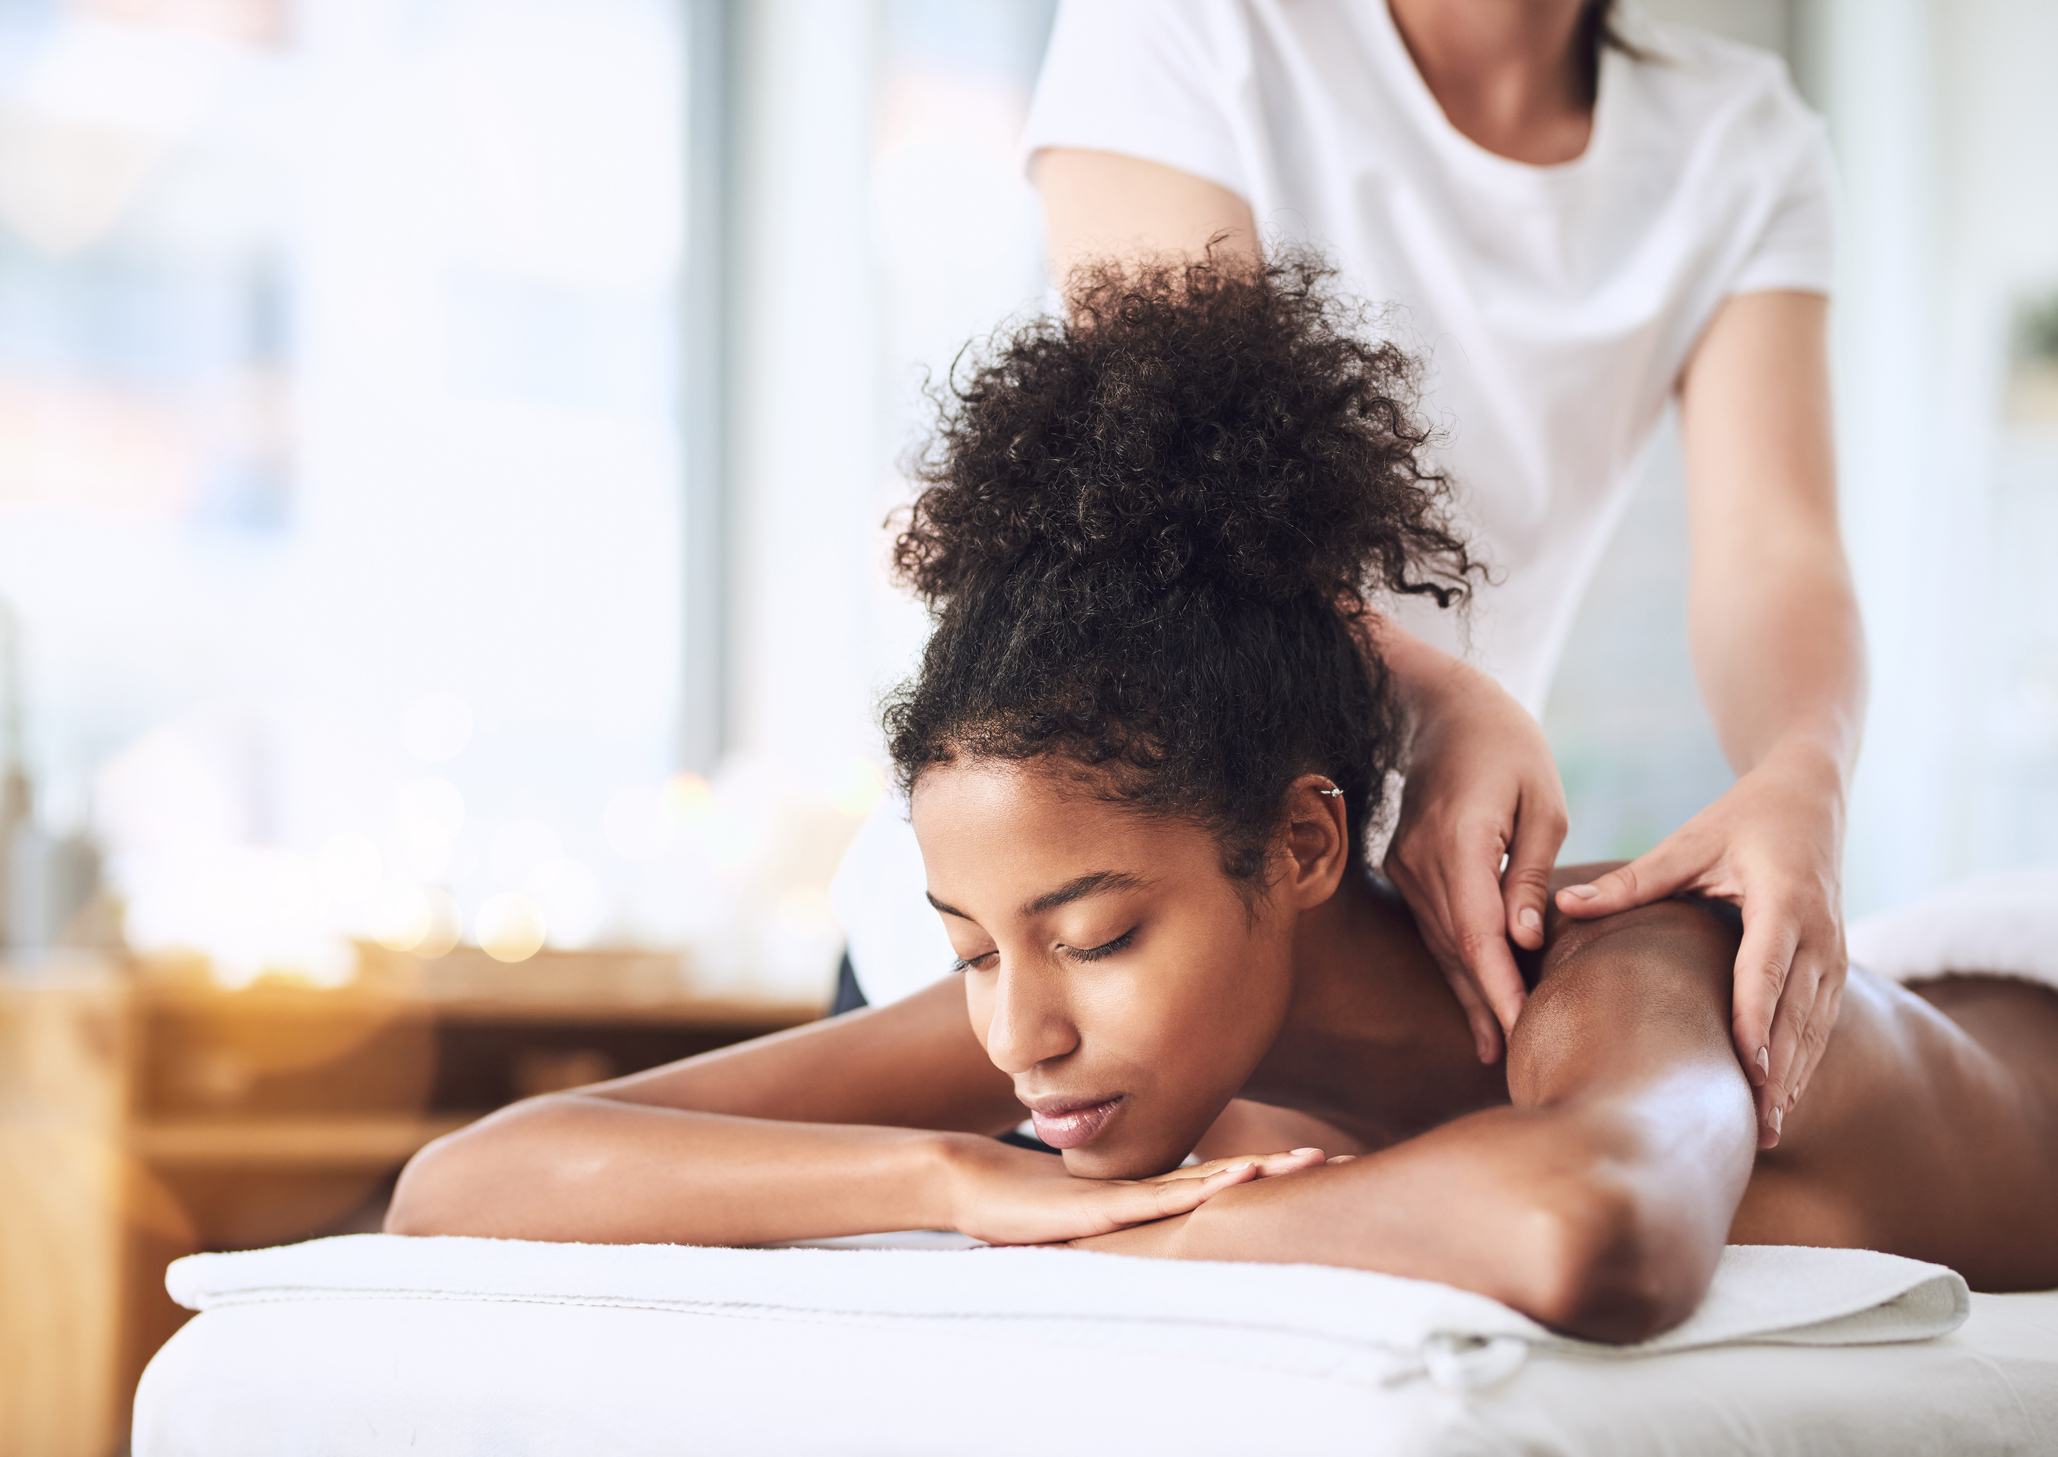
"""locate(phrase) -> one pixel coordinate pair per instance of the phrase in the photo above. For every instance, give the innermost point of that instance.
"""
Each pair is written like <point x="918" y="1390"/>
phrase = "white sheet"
<point x="374" y="1345"/>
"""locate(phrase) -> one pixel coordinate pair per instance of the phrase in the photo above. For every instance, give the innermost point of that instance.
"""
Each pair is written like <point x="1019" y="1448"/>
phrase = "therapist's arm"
<point x="1780" y="655"/>
<point x="1481" y="782"/>
<point x="1101" y="205"/>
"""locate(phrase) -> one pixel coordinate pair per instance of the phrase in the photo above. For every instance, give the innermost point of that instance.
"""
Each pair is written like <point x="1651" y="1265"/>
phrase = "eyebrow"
<point x="1099" y="882"/>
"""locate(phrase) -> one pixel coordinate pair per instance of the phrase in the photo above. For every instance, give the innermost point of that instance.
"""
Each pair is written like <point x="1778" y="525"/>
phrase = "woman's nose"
<point x="1028" y="1024"/>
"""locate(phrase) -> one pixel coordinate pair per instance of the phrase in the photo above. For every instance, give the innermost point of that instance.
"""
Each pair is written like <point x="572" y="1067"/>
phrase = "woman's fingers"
<point x="1181" y="1191"/>
<point x="1150" y="1199"/>
<point x="1671" y="867"/>
<point x="1268" y="1165"/>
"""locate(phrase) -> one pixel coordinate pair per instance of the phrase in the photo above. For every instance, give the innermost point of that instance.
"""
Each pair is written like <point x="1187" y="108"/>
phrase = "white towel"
<point x="2000" y="925"/>
<point x="1312" y="1320"/>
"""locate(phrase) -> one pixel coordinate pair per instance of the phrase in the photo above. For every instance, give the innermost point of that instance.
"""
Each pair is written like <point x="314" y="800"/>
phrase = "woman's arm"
<point x="1598" y="1202"/>
<point x="1781" y="658"/>
<point x="879" y="1120"/>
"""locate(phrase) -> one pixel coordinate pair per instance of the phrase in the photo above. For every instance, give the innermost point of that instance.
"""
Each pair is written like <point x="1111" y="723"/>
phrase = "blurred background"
<point x="443" y="452"/>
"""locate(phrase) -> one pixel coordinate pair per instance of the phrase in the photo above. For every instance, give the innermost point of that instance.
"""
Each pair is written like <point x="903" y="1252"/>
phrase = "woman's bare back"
<point x="1930" y="1130"/>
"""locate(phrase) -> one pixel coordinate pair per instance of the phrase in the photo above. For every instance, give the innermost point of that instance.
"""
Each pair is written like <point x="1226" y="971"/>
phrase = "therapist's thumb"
<point x="1650" y="877"/>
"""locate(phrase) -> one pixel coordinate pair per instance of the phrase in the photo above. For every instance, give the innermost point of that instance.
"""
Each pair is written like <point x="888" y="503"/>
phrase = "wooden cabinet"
<point x="146" y="1114"/>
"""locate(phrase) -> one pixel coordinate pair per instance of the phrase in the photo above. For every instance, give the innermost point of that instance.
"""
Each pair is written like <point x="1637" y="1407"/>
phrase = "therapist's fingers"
<point x="1526" y="883"/>
<point x="1765" y="1025"/>
<point x="1671" y="867"/>
<point x="1486" y="1031"/>
<point x="1479" y="933"/>
<point x="1829" y="1003"/>
<point x="1439" y="915"/>
<point x="1809" y="1000"/>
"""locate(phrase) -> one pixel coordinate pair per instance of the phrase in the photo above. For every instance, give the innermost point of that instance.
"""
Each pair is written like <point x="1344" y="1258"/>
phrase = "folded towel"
<point x="2000" y="925"/>
<point x="1312" y="1320"/>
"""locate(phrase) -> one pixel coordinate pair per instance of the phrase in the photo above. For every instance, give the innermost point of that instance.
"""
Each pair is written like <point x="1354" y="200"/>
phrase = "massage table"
<point x="925" y="1343"/>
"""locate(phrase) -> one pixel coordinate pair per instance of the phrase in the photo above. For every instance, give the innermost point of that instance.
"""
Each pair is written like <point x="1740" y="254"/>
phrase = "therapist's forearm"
<point x="1781" y="658"/>
<point x="1422" y="677"/>
<point x="1776" y="636"/>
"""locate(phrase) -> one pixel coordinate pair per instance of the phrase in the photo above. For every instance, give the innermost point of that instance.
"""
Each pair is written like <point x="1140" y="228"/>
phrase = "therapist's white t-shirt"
<point x="1553" y="307"/>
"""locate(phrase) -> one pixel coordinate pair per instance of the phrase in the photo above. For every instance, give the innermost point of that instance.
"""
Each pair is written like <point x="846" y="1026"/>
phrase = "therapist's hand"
<point x="1772" y="846"/>
<point x="1481" y="785"/>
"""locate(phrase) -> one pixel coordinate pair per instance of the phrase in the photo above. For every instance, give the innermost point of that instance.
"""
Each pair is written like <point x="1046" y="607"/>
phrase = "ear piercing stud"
<point x="1332" y="791"/>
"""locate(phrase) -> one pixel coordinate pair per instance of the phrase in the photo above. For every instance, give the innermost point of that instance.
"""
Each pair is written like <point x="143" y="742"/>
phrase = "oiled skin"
<point x="1930" y="1129"/>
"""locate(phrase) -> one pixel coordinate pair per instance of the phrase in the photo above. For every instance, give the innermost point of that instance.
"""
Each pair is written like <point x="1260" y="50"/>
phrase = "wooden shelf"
<point x="289" y="1142"/>
<point x="147" y="1112"/>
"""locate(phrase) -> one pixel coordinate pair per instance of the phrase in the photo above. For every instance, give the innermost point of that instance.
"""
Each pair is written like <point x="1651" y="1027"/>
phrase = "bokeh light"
<point x="510" y="927"/>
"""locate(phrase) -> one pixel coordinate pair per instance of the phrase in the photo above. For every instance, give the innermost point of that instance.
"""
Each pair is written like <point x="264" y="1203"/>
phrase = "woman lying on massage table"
<point x="1146" y="740"/>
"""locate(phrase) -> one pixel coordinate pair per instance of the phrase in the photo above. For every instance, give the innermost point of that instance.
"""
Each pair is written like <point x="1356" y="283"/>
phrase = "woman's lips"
<point x="1071" y="1125"/>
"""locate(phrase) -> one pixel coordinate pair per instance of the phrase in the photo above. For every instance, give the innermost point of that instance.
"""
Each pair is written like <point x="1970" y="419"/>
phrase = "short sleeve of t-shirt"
<point x="1797" y="249"/>
<point x="1143" y="78"/>
<point x="1163" y="80"/>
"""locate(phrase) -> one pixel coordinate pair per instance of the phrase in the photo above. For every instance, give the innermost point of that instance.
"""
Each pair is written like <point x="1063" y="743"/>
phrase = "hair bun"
<point x="1192" y="426"/>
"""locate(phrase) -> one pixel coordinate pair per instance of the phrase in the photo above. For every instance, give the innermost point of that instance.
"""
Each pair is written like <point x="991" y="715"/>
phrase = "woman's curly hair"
<point x="1147" y="536"/>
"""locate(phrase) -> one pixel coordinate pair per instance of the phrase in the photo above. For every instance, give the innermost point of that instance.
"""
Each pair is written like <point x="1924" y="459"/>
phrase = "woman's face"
<point x="1111" y="968"/>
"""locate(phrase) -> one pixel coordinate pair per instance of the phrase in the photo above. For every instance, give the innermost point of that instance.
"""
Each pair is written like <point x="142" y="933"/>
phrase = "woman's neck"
<point x="1373" y="1039"/>
<point x="1507" y="73"/>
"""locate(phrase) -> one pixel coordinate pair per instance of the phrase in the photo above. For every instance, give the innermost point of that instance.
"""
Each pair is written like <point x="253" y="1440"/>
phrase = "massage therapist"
<point x="1576" y="217"/>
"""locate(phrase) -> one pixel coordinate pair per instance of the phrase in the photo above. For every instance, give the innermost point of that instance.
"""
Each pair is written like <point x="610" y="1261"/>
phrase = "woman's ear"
<point x="1318" y="840"/>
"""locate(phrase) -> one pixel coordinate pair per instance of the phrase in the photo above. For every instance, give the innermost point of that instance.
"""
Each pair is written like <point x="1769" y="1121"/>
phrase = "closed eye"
<point x="970" y="963"/>
<point x="1106" y="948"/>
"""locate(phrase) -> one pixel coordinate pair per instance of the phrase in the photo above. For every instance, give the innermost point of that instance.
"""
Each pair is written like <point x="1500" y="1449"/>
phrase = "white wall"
<point x="1945" y="123"/>
<point x="886" y="223"/>
<point x="475" y="210"/>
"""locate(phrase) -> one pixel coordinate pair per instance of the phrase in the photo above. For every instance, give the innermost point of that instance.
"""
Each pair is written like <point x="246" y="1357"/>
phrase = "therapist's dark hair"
<point x="1147" y="537"/>
<point x="1596" y="34"/>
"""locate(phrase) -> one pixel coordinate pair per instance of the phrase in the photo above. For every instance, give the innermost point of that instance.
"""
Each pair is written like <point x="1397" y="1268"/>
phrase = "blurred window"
<point x="338" y="503"/>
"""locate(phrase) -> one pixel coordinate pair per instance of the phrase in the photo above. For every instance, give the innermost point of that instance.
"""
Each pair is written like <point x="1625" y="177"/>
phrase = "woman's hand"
<point x="1771" y="846"/>
<point x="1481" y="785"/>
<point x="1160" y="1237"/>
<point x="1013" y="1196"/>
